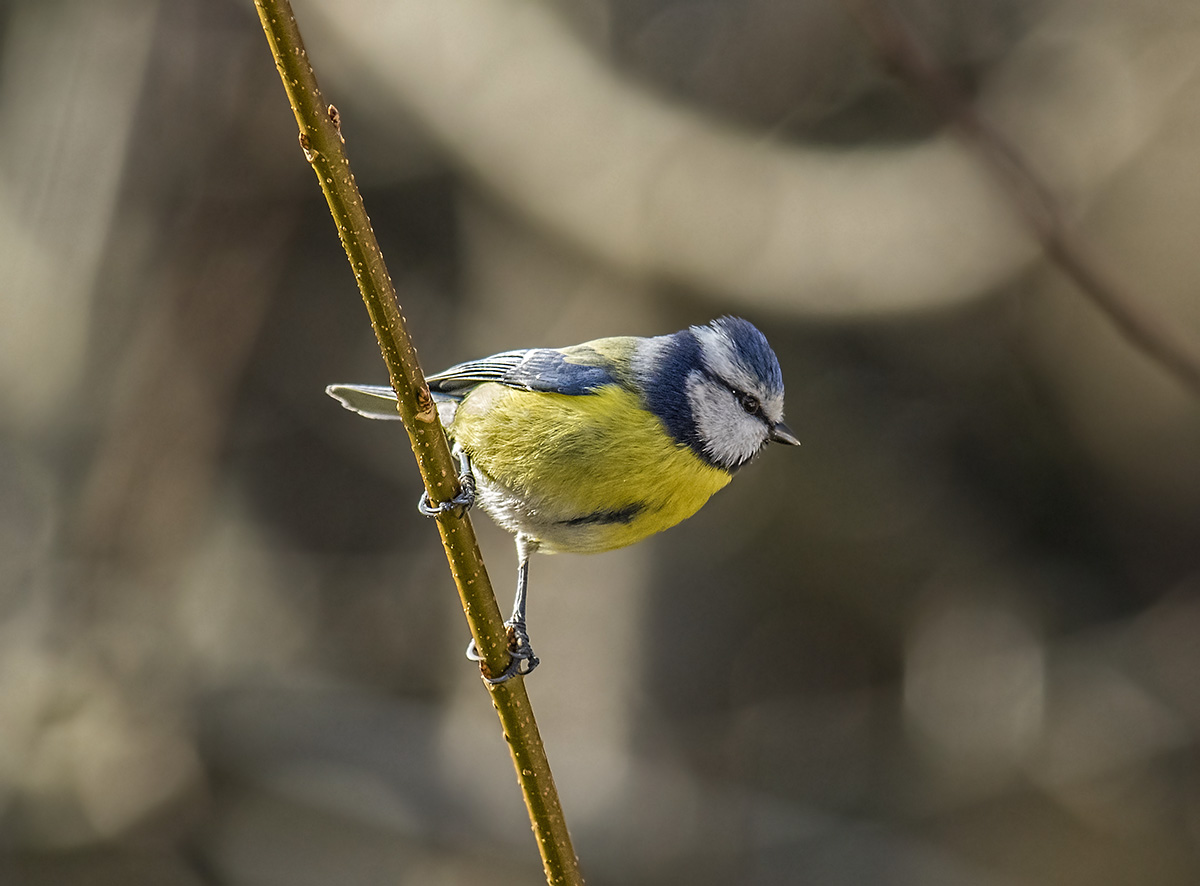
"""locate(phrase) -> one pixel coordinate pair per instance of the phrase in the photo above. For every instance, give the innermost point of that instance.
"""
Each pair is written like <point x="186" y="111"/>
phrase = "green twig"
<point x="321" y="139"/>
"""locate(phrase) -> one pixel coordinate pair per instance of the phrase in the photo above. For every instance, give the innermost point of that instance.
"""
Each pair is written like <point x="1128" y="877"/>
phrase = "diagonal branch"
<point x="907" y="59"/>
<point x="321" y="139"/>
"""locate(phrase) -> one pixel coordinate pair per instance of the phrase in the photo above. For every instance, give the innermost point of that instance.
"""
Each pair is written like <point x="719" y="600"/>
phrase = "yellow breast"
<point x="579" y="473"/>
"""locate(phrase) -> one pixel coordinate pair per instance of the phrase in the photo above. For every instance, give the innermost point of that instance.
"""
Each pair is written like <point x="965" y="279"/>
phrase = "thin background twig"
<point x="321" y="140"/>
<point x="903" y="55"/>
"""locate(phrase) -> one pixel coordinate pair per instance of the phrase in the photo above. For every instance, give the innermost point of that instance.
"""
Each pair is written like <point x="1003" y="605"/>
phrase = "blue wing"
<point x="574" y="372"/>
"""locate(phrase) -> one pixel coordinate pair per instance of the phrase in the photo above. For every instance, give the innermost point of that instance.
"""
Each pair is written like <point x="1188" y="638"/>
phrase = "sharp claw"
<point x="462" y="502"/>
<point x="521" y="661"/>
<point x="516" y="668"/>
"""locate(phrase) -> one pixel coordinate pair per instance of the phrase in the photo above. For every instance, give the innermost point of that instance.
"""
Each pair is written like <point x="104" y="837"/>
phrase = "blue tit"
<point x="599" y="445"/>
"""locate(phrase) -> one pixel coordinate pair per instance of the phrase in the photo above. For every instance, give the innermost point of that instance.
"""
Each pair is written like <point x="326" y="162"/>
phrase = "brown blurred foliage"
<point x="951" y="640"/>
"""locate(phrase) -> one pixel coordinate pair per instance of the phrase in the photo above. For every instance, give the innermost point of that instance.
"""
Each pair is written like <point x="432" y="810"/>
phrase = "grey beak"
<point x="781" y="433"/>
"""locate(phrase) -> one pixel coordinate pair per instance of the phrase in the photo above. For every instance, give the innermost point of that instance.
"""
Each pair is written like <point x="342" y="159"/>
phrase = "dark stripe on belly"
<point x="620" y="515"/>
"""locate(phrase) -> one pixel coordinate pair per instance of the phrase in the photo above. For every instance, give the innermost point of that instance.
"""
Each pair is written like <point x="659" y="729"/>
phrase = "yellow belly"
<point x="582" y="474"/>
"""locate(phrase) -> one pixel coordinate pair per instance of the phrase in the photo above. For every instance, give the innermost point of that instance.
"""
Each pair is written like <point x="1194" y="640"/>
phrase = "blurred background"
<point x="950" y="641"/>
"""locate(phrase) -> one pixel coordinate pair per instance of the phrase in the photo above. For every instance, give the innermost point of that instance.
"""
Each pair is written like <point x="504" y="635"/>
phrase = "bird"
<point x="599" y="445"/>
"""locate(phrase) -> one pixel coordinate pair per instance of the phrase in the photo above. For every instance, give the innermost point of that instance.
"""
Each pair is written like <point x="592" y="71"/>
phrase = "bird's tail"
<point x="379" y="401"/>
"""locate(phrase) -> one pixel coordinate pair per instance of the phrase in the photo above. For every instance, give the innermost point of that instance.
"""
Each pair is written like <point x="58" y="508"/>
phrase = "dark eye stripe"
<point x="740" y="396"/>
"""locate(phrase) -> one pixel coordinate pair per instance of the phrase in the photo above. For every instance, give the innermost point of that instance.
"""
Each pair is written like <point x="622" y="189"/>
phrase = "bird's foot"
<point x="521" y="662"/>
<point x="462" y="502"/>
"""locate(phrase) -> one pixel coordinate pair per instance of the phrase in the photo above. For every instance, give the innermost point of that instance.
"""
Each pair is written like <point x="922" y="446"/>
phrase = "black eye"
<point x="749" y="403"/>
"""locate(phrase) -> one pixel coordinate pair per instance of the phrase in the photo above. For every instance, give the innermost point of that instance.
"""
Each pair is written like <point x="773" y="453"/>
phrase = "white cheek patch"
<point x="729" y="435"/>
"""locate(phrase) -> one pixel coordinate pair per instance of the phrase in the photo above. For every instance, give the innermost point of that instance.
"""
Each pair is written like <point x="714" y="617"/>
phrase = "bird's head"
<point x="719" y="389"/>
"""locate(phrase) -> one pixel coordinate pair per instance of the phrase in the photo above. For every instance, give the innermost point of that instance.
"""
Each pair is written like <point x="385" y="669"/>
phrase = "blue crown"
<point x="752" y="350"/>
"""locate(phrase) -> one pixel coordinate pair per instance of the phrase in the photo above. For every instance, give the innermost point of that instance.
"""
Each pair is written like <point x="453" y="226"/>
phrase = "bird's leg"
<point x="522" y="661"/>
<point x="518" y="637"/>
<point x="466" y="495"/>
